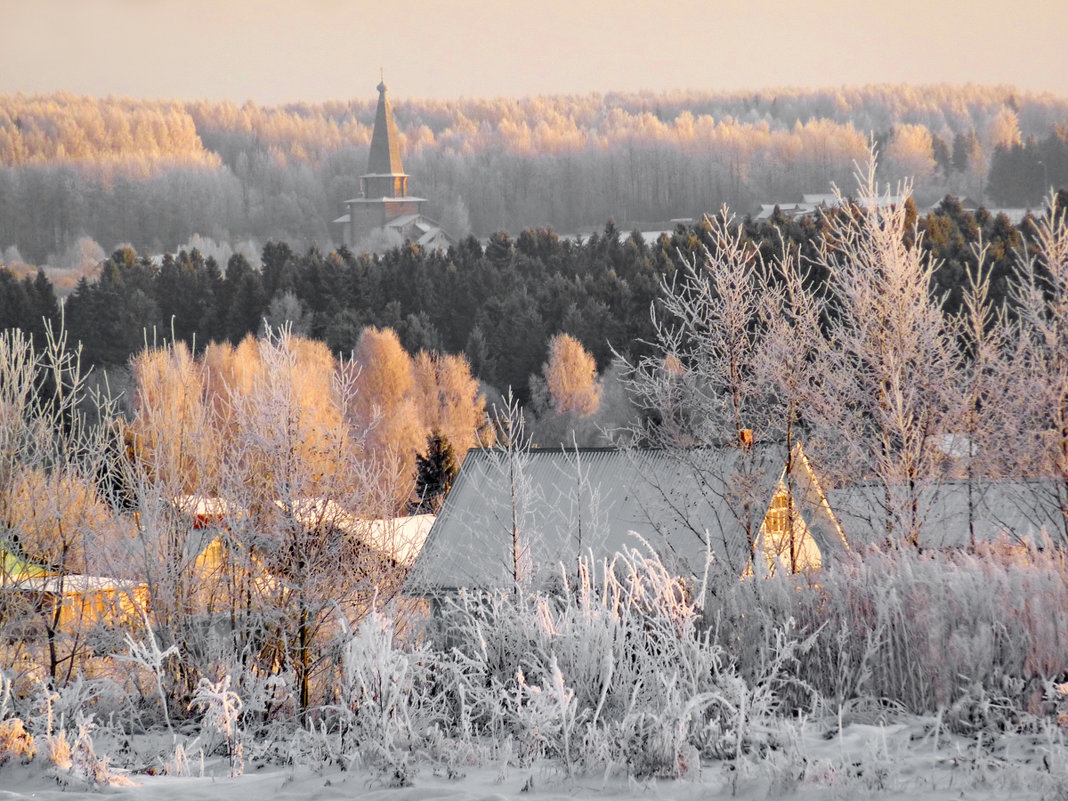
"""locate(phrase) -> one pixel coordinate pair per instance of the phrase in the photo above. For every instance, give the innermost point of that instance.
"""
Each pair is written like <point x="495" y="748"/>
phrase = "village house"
<point x="221" y="561"/>
<point x="74" y="600"/>
<point x="729" y="512"/>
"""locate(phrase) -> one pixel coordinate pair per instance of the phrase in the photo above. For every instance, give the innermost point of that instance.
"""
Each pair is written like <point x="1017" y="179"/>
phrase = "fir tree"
<point x="436" y="470"/>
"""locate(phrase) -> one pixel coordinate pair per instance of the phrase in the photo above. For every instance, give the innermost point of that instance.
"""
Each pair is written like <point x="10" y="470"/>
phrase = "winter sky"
<point x="276" y="51"/>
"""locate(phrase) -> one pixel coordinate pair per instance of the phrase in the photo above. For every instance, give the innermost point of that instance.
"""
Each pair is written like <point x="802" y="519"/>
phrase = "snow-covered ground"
<point x="908" y="759"/>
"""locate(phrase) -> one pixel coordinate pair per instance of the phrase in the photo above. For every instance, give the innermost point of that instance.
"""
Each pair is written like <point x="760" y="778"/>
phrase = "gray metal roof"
<point x="602" y="501"/>
<point x="1022" y="510"/>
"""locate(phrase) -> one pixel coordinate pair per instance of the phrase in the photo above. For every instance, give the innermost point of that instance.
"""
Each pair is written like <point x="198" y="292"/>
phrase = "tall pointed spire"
<point x="384" y="158"/>
<point x="384" y="202"/>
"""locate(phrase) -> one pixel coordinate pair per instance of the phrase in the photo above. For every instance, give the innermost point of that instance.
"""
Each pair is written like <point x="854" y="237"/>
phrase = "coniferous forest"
<point x="498" y="303"/>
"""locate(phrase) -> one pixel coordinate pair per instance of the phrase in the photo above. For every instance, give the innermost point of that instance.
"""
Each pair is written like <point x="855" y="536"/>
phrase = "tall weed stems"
<point x="921" y="631"/>
<point x="611" y="670"/>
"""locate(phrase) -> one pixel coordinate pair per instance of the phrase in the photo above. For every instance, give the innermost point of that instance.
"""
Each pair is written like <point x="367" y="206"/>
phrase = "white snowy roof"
<point x="403" y="220"/>
<point x="204" y="509"/>
<point x="400" y="538"/>
<point x="74" y="584"/>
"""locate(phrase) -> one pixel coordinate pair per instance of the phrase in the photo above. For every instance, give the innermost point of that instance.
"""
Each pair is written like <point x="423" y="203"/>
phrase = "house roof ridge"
<point x="557" y="449"/>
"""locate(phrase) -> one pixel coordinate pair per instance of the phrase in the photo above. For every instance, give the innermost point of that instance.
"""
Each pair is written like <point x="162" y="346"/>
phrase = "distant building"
<point x="813" y="203"/>
<point x="384" y="206"/>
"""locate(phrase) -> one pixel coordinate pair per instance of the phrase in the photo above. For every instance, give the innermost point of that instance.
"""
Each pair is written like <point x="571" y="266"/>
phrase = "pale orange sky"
<point x="275" y="51"/>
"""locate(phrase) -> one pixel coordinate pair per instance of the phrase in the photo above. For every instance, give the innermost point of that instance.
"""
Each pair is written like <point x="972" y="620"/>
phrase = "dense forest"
<point x="153" y="174"/>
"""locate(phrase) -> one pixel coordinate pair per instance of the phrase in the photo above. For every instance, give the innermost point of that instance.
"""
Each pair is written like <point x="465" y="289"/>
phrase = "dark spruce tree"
<point x="436" y="470"/>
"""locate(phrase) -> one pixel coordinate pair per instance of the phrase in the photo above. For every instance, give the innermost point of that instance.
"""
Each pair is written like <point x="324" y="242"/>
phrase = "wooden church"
<point x="384" y="206"/>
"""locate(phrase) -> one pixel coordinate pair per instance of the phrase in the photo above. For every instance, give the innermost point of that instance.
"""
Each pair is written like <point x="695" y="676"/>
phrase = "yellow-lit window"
<point x="777" y="522"/>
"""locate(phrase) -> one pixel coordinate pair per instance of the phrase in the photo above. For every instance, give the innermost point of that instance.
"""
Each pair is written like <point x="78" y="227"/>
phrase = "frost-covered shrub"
<point x="609" y="671"/>
<point x="388" y="704"/>
<point x="147" y="654"/>
<point x="923" y="631"/>
<point x="222" y="714"/>
<point x="15" y="742"/>
<point x="548" y="716"/>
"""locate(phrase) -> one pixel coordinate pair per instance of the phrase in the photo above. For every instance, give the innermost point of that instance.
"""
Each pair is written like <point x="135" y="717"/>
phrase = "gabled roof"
<point x="207" y="510"/>
<point x="384" y="158"/>
<point x="398" y="538"/>
<point x="403" y="220"/>
<point x="76" y="584"/>
<point x="682" y="504"/>
<point x="15" y="568"/>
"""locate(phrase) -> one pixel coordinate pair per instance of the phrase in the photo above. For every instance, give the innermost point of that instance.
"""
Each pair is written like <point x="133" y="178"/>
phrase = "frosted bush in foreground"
<point x="148" y="655"/>
<point x="972" y="634"/>
<point x="222" y="713"/>
<point x="610" y="672"/>
<point x="387" y="701"/>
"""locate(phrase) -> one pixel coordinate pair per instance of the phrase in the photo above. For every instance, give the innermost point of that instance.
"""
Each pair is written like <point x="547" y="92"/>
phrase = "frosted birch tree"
<point x="254" y="490"/>
<point x="297" y="471"/>
<point x="703" y="377"/>
<point x="891" y="356"/>
<point x="789" y="360"/>
<point x="1042" y="306"/>
<point x="986" y="434"/>
<point x="175" y="463"/>
<point x="567" y="395"/>
<point x="735" y="348"/>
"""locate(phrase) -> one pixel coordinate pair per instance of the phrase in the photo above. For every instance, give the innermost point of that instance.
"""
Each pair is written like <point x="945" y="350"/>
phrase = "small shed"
<point x="87" y="600"/>
<point x="81" y="600"/>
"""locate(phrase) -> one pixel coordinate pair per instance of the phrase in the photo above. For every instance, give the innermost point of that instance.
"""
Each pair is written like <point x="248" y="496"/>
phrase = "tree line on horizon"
<point x="154" y="174"/>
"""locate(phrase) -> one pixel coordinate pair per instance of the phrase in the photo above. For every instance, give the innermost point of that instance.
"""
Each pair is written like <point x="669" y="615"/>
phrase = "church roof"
<point x="384" y="158"/>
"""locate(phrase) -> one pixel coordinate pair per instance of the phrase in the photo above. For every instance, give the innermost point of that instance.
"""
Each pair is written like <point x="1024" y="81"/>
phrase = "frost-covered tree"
<point x="52" y="521"/>
<point x="449" y="400"/>
<point x="382" y="404"/>
<point x="509" y="470"/>
<point x="1041" y="304"/>
<point x="567" y="395"/>
<point x="737" y="345"/>
<point x="171" y="425"/>
<point x="884" y="405"/>
<point x="570" y="377"/>
<point x="986" y="434"/>
<point x="702" y="380"/>
<point x="254" y="491"/>
<point x="297" y="470"/>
